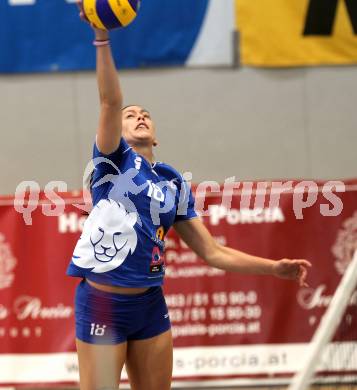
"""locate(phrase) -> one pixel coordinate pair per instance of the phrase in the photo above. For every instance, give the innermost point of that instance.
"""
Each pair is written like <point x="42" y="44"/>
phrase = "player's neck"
<point x="145" y="151"/>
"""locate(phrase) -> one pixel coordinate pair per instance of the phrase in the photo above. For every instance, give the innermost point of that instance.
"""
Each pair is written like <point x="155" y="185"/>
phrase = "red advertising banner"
<point x="225" y="326"/>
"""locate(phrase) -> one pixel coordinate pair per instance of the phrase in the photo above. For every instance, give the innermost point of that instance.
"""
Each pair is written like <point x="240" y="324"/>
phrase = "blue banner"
<point x="47" y="35"/>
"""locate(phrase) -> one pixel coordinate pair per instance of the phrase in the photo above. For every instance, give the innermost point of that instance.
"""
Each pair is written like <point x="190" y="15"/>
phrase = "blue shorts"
<point x="111" y="318"/>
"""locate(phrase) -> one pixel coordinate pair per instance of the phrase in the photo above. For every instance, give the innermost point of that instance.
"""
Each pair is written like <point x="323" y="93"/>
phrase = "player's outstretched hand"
<point x="293" y="270"/>
<point x="100" y="34"/>
<point x="82" y="15"/>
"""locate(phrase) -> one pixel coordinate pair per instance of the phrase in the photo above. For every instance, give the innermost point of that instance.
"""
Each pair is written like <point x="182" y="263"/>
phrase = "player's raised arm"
<point x="198" y="238"/>
<point x="110" y="95"/>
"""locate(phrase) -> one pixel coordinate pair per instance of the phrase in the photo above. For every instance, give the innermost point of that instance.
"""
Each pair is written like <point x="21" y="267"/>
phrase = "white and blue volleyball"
<point x="110" y="14"/>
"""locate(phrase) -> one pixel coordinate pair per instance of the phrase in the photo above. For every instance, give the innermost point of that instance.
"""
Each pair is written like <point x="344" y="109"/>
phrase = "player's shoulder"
<point x="122" y="149"/>
<point x="168" y="171"/>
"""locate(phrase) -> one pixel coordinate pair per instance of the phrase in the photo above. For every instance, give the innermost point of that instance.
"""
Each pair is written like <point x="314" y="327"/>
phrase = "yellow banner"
<point x="297" y="32"/>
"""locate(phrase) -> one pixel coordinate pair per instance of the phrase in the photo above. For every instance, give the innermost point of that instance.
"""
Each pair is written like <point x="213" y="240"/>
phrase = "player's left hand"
<point x="82" y="15"/>
<point x="292" y="270"/>
<point x="99" y="34"/>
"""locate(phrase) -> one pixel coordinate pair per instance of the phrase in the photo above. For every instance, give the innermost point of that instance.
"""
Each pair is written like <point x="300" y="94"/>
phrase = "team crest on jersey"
<point x="157" y="264"/>
<point x="108" y="237"/>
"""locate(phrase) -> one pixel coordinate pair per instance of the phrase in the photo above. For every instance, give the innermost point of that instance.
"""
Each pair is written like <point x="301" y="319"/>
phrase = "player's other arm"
<point x="198" y="238"/>
<point x="110" y="97"/>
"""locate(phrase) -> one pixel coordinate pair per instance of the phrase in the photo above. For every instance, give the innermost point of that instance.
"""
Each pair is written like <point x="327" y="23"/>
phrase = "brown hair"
<point x="134" y="105"/>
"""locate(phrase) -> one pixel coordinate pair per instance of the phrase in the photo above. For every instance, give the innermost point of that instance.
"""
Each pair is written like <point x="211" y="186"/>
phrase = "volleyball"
<point x="110" y="14"/>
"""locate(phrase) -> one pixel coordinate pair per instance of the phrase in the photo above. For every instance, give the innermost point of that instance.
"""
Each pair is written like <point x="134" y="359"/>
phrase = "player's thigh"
<point x="149" y="362"/>
<point x="100" y="366"/>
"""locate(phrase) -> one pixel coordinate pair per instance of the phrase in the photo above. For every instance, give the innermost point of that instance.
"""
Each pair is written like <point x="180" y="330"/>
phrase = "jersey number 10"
<point x="155" y="192"/>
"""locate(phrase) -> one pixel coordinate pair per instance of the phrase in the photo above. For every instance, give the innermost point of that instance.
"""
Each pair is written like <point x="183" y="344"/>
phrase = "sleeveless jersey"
<point x="134" y="205"/>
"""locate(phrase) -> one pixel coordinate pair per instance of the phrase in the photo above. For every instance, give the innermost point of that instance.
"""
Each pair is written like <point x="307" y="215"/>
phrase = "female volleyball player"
<point x="121" y="315"/>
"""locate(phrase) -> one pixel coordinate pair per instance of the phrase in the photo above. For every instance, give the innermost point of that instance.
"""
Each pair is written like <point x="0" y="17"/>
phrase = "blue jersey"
<point x="134" y="205"/>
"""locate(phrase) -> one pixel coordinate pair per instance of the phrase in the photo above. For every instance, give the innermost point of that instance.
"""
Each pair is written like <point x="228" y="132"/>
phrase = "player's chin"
<point x="143" y="132"/>
<point x="143" y="137"/>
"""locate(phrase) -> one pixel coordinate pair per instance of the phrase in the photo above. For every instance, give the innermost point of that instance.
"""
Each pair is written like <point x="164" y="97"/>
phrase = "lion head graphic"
<point x="107" y="239"/>
<point x="346" y="244"/>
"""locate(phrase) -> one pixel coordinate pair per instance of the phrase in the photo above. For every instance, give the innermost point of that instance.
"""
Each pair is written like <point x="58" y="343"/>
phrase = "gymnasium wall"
<point x="216" y="123"/>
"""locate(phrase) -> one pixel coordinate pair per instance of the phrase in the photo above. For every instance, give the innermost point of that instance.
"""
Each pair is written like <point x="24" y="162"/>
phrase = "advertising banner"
<point x="226" y="326"/>
<point x="47" y="36"/>
<point x="297" y="32"/>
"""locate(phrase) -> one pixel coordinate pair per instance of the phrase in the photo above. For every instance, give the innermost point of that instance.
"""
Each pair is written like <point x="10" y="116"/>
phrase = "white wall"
<point x="216" y="123"/>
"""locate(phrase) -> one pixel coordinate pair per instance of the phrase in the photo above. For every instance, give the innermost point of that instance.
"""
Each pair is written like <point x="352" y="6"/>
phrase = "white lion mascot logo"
<point x="107" y="239"/>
